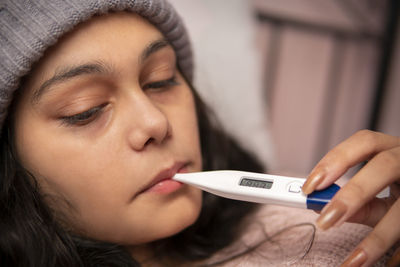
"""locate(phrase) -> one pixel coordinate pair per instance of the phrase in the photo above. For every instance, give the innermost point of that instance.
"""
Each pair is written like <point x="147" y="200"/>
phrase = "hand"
<point x="356" y="201"/>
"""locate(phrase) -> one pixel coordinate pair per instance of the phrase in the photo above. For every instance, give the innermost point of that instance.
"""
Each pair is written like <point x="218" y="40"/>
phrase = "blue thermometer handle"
<point x="318" y="199"/>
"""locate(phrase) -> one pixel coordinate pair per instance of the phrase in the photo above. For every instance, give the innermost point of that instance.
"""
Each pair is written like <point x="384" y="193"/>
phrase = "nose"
<point x="147" y="124"/>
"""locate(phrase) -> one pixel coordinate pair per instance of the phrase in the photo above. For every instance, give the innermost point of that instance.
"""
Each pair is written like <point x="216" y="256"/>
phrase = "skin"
<point x="356" y="201"/>
<point x="92" y="167"/>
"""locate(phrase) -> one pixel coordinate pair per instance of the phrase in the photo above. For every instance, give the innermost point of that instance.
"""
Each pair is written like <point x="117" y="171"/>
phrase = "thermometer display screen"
<point x="250" y="182"/>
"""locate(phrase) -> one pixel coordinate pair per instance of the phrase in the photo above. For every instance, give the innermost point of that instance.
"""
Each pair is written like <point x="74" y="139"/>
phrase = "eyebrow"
<point x="97" y="67"/>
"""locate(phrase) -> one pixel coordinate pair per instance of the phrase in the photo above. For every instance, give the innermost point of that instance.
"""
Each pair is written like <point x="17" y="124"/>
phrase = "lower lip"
<point x="165" y="187"/>
<point x="168" y="185"/>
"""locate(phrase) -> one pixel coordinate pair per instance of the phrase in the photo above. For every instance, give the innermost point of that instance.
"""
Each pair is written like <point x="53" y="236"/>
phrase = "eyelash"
<point x="83" y="118"/>
<point x="90" y="115"/>
<point x="161" y="84"/>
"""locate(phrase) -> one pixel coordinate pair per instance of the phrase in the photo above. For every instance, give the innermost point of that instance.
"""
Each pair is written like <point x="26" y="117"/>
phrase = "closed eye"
<point x="83" y="118"/>
<point x="161" y="84"/>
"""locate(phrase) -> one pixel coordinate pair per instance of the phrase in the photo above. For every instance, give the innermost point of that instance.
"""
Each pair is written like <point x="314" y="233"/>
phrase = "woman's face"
<point x="104" y="121"/>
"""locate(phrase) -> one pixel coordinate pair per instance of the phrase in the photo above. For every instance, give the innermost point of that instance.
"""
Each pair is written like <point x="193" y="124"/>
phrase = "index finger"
<point x="381" y="171"/>
<point x="359" y="147"/>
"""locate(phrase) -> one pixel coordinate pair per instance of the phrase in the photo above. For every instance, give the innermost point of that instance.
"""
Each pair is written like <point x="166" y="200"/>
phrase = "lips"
<point x="162" y="183"/>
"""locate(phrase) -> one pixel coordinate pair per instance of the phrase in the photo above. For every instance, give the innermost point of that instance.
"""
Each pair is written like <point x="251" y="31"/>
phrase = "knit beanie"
<point x="29" y="27"/>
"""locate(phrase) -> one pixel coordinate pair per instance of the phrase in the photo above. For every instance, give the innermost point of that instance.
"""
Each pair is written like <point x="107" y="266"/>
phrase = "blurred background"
<point x="291" y="79"/>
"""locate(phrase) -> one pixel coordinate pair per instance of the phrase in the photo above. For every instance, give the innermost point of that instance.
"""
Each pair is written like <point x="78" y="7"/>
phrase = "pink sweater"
<point x="288" y="245"/>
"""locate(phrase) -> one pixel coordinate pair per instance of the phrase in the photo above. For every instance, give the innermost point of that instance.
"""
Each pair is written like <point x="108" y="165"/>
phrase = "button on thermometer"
<point x="259" y="188"/>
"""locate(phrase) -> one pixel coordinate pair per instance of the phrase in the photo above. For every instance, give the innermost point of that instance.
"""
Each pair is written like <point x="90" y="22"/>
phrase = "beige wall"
<point x="308" y="111"/>
<point x="228" y="70"/>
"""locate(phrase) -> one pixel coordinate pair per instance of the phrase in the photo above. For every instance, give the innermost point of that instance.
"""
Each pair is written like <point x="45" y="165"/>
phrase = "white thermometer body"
<point x="258" y="187"/>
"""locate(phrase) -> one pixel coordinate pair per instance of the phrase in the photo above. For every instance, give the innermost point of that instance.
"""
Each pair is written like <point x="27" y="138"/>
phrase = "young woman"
<point x="98" y="114"/>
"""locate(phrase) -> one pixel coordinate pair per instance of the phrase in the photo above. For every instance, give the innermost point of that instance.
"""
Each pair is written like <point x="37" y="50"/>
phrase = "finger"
<point x="358" y="148"/>
<point x="383" y="236"/>
<point x="380" y="171"/>
<point x="371" y="213"/>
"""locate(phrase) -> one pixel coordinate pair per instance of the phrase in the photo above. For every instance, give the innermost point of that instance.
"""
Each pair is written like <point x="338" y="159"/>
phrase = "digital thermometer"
<point x="258" y="187"/>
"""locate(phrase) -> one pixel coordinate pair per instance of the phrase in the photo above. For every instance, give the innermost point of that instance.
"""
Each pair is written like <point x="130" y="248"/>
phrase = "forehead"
<point x="110" y="38"/>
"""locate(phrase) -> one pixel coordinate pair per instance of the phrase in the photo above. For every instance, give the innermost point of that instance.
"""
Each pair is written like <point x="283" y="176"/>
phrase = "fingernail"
<point x="312" y="182"/>
<point x="394" y="260"/>
<point x="331" y="215"/>
<point x="356" y="259"/>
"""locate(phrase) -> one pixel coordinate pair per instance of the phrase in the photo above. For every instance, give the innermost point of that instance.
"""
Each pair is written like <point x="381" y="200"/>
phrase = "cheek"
<point x="88" y="176"/>
<point x="88" y="187"/>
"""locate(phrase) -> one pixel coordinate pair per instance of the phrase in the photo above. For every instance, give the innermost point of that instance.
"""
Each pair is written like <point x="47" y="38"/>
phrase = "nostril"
<point x="149" y="141"/>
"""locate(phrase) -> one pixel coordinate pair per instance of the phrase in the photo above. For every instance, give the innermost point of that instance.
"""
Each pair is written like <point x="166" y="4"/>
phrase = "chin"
<point x="181" y="211"/>
<point x="185" y="214"/>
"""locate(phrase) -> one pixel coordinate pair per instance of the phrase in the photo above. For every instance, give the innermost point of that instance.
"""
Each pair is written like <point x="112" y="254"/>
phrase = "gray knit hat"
<point x="29" y="27"/>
